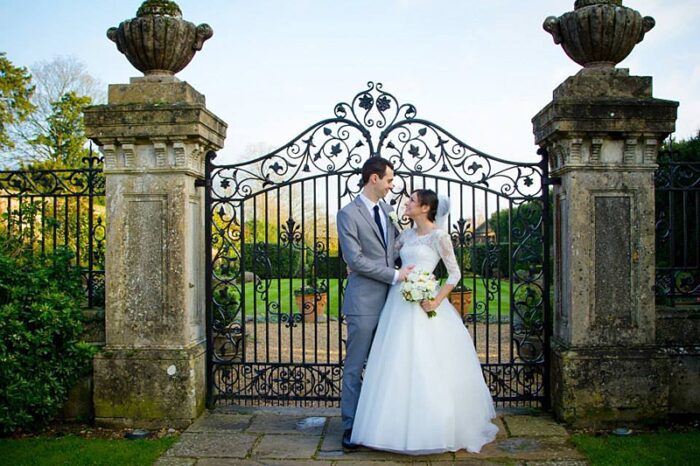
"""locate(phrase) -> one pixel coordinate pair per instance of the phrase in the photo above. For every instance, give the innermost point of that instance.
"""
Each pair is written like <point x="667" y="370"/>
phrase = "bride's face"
<point x="413" y="208"/>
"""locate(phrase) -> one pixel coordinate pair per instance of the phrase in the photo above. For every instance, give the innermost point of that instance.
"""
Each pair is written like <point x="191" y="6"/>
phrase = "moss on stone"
<point x="159" y="7"/>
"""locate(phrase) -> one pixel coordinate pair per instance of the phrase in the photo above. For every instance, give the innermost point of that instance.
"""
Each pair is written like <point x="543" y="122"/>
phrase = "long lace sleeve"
<point x="447" y="254"/>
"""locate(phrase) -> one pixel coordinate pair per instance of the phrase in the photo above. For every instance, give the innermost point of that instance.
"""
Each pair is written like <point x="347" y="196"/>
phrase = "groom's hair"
<point x="375" y="165"/>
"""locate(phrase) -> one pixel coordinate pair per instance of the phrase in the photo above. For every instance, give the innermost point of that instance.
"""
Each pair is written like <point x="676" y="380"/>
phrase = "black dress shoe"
<point x="347" y="444"/>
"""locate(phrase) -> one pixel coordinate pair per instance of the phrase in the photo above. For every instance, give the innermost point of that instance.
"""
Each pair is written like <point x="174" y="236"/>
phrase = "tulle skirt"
<point x="423" y="390"/>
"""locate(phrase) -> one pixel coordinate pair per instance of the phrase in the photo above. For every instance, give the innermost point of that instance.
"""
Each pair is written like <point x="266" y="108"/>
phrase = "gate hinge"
<point x="202" y="183"/>
<point x="554" y="180"/>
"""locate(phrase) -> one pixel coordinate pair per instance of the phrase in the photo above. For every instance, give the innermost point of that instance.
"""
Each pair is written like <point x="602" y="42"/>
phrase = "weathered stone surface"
<point x="281" y="446"/>
<point x="676" y="326"/>
<point x="534" y="426"/>
<point x="158" y="41"/>
<point x="153" y="134"/>
<point x="172" y="461"/>
<point x="273" y="424"/>
<point x="527" y="449"/>
<point x="79" y="404"/>
<point x="149" y="388"/>
<point x="602" y="132"/>
<point x="598" y="33"/>
<point x="684" y="380"/>
<point x="605" y="102"/>
<point x="209" y="422"/>
<point x="213" y="445"/>
<point x="600" y="387"/>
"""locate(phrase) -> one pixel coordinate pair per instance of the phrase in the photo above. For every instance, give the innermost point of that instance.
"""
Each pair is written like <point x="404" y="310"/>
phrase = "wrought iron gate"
<point x="275" y="276"/>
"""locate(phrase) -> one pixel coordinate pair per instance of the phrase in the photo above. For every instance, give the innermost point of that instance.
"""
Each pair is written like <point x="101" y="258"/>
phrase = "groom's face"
<point x="385" y="184"/>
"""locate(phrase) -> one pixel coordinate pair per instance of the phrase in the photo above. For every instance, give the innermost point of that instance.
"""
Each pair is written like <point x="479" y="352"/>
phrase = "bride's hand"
<point x="429" y="305"/>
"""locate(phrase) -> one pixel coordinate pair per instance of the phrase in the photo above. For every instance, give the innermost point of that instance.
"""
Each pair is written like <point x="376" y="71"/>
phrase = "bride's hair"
<point x="429" y="198"/>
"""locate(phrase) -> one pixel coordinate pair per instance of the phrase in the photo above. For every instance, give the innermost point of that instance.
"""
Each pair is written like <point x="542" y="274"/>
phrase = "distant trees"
<point x="51" y="133"/>
<point x="16" y="90"/>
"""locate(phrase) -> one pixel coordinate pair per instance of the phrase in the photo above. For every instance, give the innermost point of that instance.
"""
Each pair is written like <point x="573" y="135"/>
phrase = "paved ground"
<point x="297" y="436"/>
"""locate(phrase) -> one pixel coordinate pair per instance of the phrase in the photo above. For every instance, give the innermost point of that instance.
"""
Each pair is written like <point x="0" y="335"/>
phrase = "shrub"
<point x="41" y="356"/>
<point x="284" y="261"/>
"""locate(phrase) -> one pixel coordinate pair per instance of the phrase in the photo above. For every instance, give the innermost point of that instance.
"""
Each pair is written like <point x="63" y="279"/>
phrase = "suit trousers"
<point x="361" y="330"/>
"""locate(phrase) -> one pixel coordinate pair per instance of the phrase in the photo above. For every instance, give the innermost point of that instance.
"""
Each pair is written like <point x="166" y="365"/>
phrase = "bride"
<point x="423" y="390"/>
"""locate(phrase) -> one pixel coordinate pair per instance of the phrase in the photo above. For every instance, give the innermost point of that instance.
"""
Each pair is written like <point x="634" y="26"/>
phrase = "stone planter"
<point x="462" y="301"/>
<point x="158" y="41"/>
<point x="311" y="305"/>
<point x="598" y="33"/>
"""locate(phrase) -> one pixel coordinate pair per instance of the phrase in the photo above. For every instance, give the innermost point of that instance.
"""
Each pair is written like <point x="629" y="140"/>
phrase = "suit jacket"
<point x="363" y="250"/>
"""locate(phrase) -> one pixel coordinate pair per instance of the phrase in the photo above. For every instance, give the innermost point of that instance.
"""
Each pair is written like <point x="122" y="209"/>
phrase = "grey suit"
<point x="365" y="293"/>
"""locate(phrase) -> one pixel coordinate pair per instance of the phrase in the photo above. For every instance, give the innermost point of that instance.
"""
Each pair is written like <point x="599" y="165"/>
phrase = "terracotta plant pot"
<point x="462" y="301"/>
<point x="308" y="308"/>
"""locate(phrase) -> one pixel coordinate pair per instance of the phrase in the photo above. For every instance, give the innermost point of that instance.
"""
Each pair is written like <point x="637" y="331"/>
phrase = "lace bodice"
<point x="426" y="251"/>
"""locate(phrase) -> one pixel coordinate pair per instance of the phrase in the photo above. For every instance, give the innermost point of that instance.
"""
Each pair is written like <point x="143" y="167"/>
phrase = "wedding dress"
<point x="423" y="390"/>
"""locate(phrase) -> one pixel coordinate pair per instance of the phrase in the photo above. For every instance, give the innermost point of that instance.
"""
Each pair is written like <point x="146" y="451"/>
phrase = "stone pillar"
<point x="602" y="131"/>
<point x="153" y="133"/>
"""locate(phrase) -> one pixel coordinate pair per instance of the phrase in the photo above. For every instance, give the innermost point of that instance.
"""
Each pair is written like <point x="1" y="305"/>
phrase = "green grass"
<point x="77" y="451"/>
<point x="663" y="448"/>
<point x="283" y="290"/>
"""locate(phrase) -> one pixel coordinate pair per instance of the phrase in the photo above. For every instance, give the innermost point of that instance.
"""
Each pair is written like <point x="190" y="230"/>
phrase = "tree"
<point x="36" y="137"/>
<point x="16" y="91"/>
<point x="64" y="137"/>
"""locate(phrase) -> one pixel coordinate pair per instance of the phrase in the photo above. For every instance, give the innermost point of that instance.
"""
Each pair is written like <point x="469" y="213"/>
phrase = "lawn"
<point x="77" y="451"/>
<point x="285" y="287"/>
<point x="662" y="448"/>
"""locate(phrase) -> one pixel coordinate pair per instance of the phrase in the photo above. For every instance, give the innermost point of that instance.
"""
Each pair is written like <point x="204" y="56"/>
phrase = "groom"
<point x="367" y="239"/>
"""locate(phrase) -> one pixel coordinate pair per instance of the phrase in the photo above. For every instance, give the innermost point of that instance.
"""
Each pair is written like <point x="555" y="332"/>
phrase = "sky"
<point x="481" y="69"/>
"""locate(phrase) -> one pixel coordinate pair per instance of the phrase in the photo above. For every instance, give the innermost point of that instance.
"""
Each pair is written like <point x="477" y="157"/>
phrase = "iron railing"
<point x="50" y="209"/>
<point x="677" y="229"/>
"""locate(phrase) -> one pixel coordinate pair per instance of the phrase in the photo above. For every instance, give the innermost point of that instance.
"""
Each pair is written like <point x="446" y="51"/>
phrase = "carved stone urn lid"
<point x="583" y="3"/>
<point x="158" y="41"/>
<point x="159" y="7"/>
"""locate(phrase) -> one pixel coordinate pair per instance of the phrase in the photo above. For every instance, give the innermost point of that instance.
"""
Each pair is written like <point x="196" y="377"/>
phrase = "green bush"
<point x="284" y="261"/>
<point x="41" y="356"/>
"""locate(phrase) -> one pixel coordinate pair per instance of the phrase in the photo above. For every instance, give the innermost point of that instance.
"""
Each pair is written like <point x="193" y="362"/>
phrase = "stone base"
<point x="78" y="406"/>
<point x="149" y="388"/>
<point x="607" y="386"/>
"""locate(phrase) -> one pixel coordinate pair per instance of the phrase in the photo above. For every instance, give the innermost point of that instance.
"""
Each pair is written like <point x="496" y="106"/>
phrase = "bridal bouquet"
<point x="420" y="285"/>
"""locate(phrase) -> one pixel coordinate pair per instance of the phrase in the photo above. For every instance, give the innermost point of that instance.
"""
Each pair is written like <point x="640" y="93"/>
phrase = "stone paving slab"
<point x="365" y="454"/>
<point x="534" y="426"/>
<point x="275" y="438"/>
<point x="285" y="446"/>
<point x="524" y="449"/>
<point x="276" y="424"/>
<point x="259" y="462"/>
<point x="221" y="423"/>
<point x="213" y="445"/>
<point x="173" y="461"/>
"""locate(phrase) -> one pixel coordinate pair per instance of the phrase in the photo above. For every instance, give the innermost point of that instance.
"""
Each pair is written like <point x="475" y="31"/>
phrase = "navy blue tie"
<point x="378" y="221"/>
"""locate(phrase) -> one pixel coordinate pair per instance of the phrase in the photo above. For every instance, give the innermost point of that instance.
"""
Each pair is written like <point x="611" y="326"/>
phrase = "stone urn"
<point x="158" y="41"/>
<point x="598" y="33"/>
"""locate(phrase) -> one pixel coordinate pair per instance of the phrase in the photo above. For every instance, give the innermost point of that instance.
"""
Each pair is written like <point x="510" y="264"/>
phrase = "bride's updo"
<point x="428" y="197"/>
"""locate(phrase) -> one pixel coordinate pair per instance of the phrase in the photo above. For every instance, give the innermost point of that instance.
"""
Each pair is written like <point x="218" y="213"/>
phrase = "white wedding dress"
<point x="423" y="390"/>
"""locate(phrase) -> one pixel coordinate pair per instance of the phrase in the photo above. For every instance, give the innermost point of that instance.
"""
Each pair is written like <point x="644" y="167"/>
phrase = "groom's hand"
<point x="403" y="273"/>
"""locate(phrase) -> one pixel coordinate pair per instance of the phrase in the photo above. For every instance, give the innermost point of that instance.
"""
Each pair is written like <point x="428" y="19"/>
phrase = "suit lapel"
<point x="365" y="213"/>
